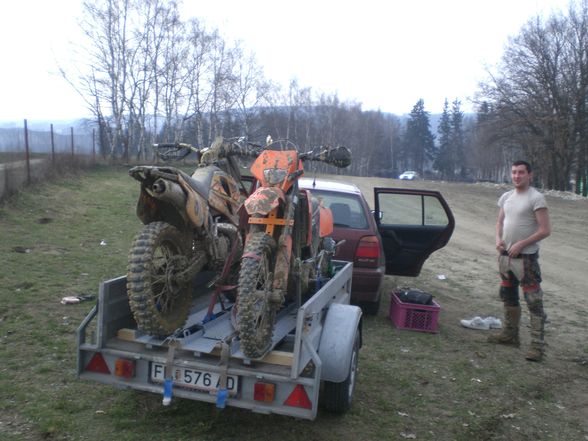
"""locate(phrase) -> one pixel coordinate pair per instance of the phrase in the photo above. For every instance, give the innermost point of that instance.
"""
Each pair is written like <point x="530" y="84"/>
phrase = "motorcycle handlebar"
<point x="339" y="156"/>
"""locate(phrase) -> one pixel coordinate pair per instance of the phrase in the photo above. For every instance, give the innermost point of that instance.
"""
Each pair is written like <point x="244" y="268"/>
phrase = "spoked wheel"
<point x="160" y="301"/>
<point x="255" y="313"/>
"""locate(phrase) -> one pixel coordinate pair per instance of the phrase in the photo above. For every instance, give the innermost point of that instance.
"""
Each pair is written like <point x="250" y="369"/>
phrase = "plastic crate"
<point x="422" y="318"/>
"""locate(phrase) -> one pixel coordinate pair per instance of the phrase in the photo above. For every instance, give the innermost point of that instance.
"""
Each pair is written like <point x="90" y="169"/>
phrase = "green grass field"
<point x="411" y="385"/>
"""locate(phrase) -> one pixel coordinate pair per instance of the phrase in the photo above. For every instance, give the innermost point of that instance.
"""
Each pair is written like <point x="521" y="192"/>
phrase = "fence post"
<point x="27" y="155"/>
<point x="72" y="142"/>
<point x="52" y="147"/>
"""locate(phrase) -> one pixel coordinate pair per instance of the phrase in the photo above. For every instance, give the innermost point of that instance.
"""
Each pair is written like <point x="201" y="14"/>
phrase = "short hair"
<point x="525" y="163"/>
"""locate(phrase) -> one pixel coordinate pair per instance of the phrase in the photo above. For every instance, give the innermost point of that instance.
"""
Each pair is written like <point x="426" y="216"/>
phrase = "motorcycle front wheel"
<point x="160" y="302"/>
<point x="255" y="313"/>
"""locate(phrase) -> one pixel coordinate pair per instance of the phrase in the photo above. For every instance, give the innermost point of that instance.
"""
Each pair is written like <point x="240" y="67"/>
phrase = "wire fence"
<point x="28" y="155"/>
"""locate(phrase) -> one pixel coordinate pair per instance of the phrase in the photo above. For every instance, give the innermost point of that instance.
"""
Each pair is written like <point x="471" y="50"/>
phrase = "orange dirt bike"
<point x="287" y="246"/>
<point x="191" y="225"/>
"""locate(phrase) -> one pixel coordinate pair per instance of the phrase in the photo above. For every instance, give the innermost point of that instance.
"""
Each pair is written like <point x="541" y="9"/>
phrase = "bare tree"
<point x="539" y="95"/>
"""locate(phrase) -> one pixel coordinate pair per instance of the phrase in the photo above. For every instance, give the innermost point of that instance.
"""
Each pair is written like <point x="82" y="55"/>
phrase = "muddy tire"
<point x="160" y="304"/>
<point x="255" y="313"/>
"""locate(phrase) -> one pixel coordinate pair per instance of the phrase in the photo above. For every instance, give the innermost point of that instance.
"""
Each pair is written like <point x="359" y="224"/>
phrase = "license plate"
<point x="193" y="378"/>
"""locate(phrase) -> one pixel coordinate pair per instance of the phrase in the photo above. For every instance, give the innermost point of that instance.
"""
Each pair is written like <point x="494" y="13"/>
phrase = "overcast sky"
<point x="386" y="54"/>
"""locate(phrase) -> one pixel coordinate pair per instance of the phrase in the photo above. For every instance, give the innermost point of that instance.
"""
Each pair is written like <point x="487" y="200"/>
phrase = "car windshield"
<point x="346" y="208"/>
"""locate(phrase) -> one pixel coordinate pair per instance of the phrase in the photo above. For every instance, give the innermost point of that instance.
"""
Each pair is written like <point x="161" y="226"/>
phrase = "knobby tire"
<point x="160" y="304"/>
<point x="255" y="314"/>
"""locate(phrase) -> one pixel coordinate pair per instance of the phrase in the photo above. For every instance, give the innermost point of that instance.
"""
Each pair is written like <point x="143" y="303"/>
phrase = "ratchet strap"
<point x="169" y="379"/>
<point x="222" y="393"/>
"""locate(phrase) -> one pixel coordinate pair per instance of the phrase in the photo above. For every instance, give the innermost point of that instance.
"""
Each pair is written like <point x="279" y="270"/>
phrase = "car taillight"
<point x="368" y="252"/>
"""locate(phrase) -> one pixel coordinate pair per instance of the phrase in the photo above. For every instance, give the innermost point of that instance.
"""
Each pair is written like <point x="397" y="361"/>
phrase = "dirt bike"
<point x="191" y="225"/>
<point x="287" y="242"/>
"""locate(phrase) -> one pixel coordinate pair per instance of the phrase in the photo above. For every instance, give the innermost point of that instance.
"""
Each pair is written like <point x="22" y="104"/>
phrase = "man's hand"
<point x="500" y="246"/>
<point x="516" y="249"/>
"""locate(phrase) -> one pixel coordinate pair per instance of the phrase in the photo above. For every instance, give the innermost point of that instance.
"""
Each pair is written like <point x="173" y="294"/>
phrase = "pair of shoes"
<point x="475" y="323"/>
<point x="482" y="323"/>
<point x="493" y="322"/>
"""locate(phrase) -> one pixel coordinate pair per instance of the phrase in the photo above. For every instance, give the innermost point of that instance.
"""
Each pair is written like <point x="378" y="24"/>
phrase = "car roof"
<point x="328" y="185"/>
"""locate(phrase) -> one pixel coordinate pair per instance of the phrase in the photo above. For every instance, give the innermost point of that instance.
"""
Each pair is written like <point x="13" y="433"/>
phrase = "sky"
<point x="384" y="54"/>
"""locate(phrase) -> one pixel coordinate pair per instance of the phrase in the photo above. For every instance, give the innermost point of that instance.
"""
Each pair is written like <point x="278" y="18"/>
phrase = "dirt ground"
<point x="471" y="285"/>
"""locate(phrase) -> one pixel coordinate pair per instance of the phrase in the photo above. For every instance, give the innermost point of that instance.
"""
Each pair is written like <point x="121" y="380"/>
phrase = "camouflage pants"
<point x="524" y="271"/>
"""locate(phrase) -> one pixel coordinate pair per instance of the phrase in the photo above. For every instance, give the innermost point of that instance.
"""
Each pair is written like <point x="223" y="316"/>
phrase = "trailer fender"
<point x="337" y="339"/>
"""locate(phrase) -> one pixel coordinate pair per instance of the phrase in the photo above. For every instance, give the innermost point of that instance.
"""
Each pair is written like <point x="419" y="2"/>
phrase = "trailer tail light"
<point x="368" y="252"/>
<point x="298" y="398"/>
<point x="124" y="368"/>
<point x="98" y="364"/>
<point x="264" y="392"/>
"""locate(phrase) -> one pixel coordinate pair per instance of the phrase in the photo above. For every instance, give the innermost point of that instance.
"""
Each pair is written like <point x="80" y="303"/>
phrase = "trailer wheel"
<point x="337" y="397"/>
<point x="159" y="301"/>
<point x="255" y="312"/>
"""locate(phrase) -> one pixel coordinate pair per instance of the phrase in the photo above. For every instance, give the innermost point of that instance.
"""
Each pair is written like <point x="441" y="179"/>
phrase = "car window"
<point x="346" y="208"/>
<point x="402" y="209"/>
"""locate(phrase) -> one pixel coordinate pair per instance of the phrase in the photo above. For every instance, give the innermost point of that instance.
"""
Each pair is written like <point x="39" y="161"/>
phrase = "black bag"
<point x="415" y="296"/>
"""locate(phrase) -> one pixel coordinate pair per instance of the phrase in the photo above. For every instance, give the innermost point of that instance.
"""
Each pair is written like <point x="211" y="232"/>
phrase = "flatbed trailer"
<point x="314" y="351"/>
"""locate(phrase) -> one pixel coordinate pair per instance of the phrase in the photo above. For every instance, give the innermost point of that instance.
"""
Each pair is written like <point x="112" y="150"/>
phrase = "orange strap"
<point x="270" y="221"/>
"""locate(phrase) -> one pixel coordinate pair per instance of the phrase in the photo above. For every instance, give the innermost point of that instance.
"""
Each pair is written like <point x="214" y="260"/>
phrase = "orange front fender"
<point x="264" y="200"/>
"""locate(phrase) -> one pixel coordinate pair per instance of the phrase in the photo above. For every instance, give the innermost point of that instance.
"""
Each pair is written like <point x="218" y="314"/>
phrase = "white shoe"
<point x="493" y="322"/>
<point x="475" y="323"/>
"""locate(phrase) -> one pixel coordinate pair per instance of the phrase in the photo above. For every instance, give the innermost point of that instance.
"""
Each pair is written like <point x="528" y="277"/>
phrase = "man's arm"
<point x="543" y="231"/>
<point x="500" y="246"/>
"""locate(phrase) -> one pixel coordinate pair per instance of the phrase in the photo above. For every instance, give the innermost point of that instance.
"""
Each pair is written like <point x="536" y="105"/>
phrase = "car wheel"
<point x="370" y="308"/>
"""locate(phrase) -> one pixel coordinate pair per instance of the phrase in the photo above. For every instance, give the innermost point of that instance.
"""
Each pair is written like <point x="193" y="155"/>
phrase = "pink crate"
<point x="422" y="318"/>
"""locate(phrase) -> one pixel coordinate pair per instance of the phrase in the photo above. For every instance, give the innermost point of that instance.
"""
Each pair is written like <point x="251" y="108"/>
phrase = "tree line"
<point x="148" y="76"/>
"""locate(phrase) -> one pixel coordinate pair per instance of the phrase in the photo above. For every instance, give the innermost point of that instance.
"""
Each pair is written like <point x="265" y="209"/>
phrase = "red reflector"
<point x="124" y="368"/>
<point x="264" y="392"/>
<point x="298" y="398"/>
<point x="98" y="364"/>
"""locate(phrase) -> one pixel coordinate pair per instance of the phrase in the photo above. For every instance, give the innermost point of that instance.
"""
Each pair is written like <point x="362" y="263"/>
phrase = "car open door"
<point x="413" y="224"/>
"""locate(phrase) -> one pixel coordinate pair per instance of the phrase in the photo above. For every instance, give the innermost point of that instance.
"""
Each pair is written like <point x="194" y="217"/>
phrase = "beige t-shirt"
<point x="519" y="220"/>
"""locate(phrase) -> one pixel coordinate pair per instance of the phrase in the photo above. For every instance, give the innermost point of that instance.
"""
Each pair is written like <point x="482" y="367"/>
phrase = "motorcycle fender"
<point x="264" y="200"/>
<point x="147" y="207"/>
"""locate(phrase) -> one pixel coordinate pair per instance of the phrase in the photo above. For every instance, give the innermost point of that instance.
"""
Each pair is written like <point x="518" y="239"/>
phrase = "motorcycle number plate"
<point x="194" y="378"/>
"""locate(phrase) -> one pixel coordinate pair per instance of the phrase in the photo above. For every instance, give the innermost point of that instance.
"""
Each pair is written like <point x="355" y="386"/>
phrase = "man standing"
<point x="523" y="221"/>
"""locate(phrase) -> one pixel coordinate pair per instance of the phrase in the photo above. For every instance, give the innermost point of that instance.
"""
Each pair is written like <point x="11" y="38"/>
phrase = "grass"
<point x="428" y="386"/>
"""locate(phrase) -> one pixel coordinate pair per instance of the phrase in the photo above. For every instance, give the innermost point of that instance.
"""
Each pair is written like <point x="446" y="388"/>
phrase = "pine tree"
<point x="419" y="145"/>
<point x="458" y="165"/>
<point x="443" y="161"/>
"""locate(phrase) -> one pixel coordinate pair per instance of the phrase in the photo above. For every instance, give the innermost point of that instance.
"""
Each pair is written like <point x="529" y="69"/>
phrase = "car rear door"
<point x="413" y="224"/>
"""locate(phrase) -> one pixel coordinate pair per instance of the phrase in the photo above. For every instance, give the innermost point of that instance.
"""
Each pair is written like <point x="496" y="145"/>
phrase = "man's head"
<point x="521" y="174"/>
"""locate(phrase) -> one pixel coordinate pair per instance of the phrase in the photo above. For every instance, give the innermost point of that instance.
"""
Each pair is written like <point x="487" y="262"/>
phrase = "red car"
<point x="396" y="238"/>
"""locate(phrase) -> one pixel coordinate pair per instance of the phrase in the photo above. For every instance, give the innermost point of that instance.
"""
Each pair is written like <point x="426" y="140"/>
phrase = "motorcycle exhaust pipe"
<point x="169" y="192"/>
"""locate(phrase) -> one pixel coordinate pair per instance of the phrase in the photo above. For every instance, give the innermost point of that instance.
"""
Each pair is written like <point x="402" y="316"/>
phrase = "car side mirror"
<point x="378" y="215"/>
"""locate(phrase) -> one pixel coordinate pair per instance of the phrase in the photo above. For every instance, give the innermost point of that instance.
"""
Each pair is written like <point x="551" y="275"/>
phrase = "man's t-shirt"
<point x="519" y="220"/>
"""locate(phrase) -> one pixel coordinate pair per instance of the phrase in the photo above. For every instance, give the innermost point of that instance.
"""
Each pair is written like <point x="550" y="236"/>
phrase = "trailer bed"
<point x="204" y="362"/>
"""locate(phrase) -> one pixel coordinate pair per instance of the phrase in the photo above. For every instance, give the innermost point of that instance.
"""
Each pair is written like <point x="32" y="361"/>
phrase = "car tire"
<point x="370" y="308"/>
<point x="337" y="397"/>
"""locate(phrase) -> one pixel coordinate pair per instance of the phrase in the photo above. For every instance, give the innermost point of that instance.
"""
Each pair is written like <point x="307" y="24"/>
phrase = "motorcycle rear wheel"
<point x="159" y="302"/>
<point x="255" y="313"/>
